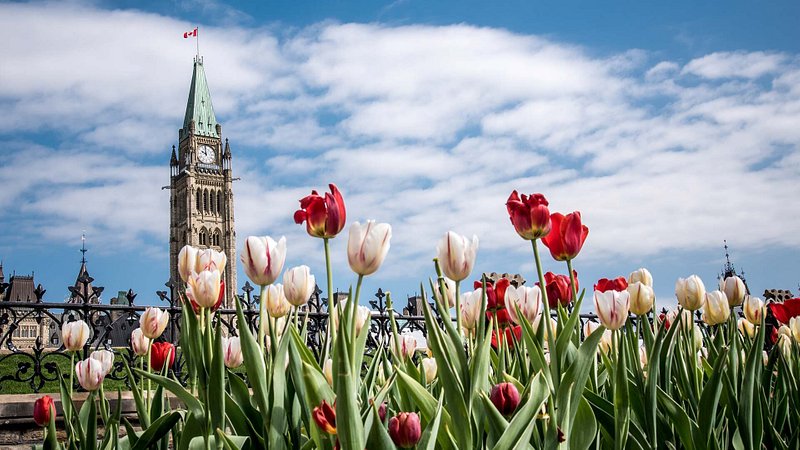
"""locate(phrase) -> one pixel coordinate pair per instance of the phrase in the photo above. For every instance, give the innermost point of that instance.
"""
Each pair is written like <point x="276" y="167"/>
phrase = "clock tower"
<point x="201" y="184"/>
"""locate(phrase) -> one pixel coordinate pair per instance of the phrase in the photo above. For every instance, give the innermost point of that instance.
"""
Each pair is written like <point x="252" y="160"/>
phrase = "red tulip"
<point x="617" y="284"/>
<point x="496" y="300"/>
<point x="43" y="410"/>
<point x="382" y="412"/>
<point x="325" y="417"/>
<point x="567" y="236"/>
<point x="159" y="352"/>
<point x="558" y="288"/>
<point x="529" y="215"/>
<point x="405" y="429"/>
<point x="508" y="331"/>
<point x="786" y="310"/>
<point x="505" y="398"/>
<point x="324" y="217"/>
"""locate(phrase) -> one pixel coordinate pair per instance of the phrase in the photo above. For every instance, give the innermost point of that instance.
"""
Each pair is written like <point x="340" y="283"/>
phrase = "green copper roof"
<point x="199" y="108"/>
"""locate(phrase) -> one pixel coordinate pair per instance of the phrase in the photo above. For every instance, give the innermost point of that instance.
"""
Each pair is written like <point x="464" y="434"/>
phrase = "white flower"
<point x="367" y="246"/>
<point x="298" y="285"/>
<point x="74" y="335"/>
<point x="457" y="255"/>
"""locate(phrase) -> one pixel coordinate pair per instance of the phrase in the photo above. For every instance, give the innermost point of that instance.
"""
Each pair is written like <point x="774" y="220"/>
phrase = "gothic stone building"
<point x="201" y="194"/>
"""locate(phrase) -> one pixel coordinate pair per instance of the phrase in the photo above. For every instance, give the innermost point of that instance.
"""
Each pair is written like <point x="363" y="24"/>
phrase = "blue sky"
<point x="670" y="126"/>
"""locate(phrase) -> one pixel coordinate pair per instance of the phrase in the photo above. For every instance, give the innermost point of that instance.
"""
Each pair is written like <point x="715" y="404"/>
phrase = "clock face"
<point x="205" y="154"/>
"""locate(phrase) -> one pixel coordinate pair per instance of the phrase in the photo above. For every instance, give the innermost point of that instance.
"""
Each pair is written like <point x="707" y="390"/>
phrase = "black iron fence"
<point x="31" y="351"/>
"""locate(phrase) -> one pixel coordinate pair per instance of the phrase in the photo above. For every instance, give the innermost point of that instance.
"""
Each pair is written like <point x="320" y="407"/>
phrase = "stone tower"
<point x="201" y="184"/>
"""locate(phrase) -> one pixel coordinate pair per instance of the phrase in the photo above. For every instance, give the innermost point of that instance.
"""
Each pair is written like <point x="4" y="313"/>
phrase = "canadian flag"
<point x="189" y="34"/>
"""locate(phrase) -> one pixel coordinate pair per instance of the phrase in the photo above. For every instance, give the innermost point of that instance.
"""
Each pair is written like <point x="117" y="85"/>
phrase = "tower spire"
<point x="198" y="107"/>
<point x="83" y="248"/>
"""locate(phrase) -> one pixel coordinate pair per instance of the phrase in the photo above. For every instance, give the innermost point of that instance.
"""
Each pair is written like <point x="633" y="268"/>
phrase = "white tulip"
<point x="457" y="255"/>
<point x="263" y="259"/>
<point x="367" y="246"/>
<point x="298" y="285"/>
<point x="690" y="292"/>
<point x="74" y="335"/>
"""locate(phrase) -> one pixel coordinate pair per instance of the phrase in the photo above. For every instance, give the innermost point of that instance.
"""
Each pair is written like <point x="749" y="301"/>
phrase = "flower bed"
<point x="505" y="366"/>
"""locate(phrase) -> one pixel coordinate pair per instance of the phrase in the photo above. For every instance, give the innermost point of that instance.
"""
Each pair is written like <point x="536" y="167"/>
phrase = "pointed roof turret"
<point x="198" y="107"/>
<point x="83" y="291"/>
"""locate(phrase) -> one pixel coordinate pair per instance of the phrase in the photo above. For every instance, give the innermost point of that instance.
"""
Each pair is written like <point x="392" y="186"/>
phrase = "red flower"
<point x="325" y="417"/>
<point x="159" y="352"/>
<point x="405" y="429"/>
<point x="505" y="398"/>
<point x="529" y="215"/>
<point x="43" y="410"/>
<point x="496" y="300"/>
<point x="558" y="288"/>
<point x="517" y="333"/>
<point x="567" y="236"/>
<point x="324" y="217"/>
<point x="617" y="284"/>
<point x="786" y="310"/>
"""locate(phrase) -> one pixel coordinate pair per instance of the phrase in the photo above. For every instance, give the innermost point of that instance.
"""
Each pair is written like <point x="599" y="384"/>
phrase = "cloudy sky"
<point x="671" y="128"/>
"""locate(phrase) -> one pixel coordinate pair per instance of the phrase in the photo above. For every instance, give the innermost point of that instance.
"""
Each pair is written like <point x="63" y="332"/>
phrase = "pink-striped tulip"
<point x="153" y="321"/>
<point x="74" y="335"/>
<point x="90" y="373"/>
<point x="367" y="246"/>
<point x="457" y="255"/>
<point x="612" y="308"/>
<point x="139" y="342"/>
<point x="298" y="285"/>
<point x="205" y="288"/>
<point x="263" y="259"/>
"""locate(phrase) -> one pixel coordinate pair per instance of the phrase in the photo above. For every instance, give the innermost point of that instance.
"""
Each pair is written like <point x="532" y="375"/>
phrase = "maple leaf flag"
<point x="189" y="34"/>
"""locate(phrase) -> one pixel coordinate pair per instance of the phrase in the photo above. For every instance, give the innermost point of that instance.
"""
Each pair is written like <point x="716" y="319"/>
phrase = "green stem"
<point x="262" y="311"/>
<point x="331" y="301"/>
<point x="551" y="342"/>
<point x="71" y="372"/>
<point x="458" y="306"/>
<point x="149" y="371"/>
<point x="572" y="284"/>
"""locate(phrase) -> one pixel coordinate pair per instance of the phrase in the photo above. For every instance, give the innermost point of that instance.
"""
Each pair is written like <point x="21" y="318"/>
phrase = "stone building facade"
<point x="201" y="184"/>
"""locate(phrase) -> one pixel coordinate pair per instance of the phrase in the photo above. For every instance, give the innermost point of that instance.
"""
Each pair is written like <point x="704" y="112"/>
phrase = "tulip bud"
<point x="298" y="285"/>
<point x="205" y="289"/>
<point x="457" y="255"/>
<point x="367" y="246"/>
<point x="690" y="292"/>
<point x="765" y="357"/>
<point x="754" y="309"/>
<point x="263" y="259"/>
<point x="277" y="305"/>
<point x="89" y="373"/>
<point x="698" y="338"/>
<point x="44" y="409"/>
<point x="327" y="370"/>
<point x="734" y="290"/>
<point x="325" y="417"/>
<point x="405" y="346"/>
<point x="106" y="358"/>
<point x="794" y="326"/>
<point x="429" y="366"/>
<point x="470" y="310"/>
<point x="505" y="398"/>
<point x="161" y="353"/>
<point x="746" y="328"/>
<point x="405" y="429"/>
<point x="363" y="315"/>
<point x="589" y="327"/>
<point x="785" y="345"/>
<point x="559" y="289"/>
<point x="139" y="342"/>
<point x="529" y="215"/>
<point x="606" y="341"/>
<point x="187" y="261"/>
<point x="527" y="299"/>
<point x="209" y="259"/>
<point x="74" y="335"/>
<point x="642" y="298"/>
<point x="382" y="412"/>
<point x="232" y="349"/>
<point x="153" y="321"/>
<point x="612" y="308"/>
<point x="642" y="276"/>
<point x="449" y="292"/>
<point x="643" y="356"/>
<point x="716" y="309"/>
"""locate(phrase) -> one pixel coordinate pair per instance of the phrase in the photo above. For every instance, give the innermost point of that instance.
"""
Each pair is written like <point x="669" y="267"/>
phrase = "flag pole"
<point x="197" y="40"/>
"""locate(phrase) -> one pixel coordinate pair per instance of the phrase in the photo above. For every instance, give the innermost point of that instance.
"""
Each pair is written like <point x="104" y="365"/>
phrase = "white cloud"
<point x="735" y="64"/>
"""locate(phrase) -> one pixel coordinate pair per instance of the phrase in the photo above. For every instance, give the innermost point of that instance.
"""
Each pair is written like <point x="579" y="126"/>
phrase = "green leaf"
<point x="426" y="403"/>
<point x="90" y="422"/>
<point x="141" y="409"/>
<point x="216" y="388"/>
<point x="586" y="426"/>
<point x="428" y="440"/>
<point x="254" y="364"/>
<point x="680" y="420"/>
<point x="158" y="429"/>
<point x="231" y="442"/>
<point x="378" y="436"/>
<point x="192" y="403"/>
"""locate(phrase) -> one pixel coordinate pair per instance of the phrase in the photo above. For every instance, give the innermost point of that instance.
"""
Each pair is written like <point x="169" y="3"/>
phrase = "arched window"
<point x="198" y="200"/>
<point x="205" y="200"/>
<point x="219" y="202"/>
<point x="216" y="238"/>
<point x="212" y="200"/>
<point x="203" y="237"/>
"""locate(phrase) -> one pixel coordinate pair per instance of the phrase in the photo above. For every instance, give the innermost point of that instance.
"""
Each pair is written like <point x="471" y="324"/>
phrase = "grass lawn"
<point x="11" y="373"/>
